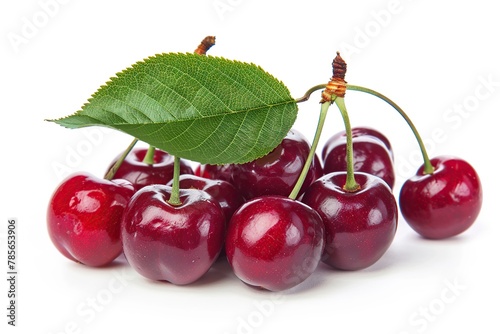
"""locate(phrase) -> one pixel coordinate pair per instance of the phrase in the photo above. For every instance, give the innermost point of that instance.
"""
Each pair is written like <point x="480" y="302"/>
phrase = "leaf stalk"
<point x="309" y="92"/>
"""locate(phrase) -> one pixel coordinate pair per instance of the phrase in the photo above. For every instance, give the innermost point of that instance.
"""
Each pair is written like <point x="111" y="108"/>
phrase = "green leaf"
<point x="202" y="108"/>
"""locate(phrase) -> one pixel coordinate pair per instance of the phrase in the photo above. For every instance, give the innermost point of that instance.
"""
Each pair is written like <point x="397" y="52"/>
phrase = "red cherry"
<point x="274" y="242"/>
<point x="445" y="203"/>
<point x="372" y="154"/>
<point x="359" y="226"/>
<point x="142" y="174"/>
<point x="277" y="172"/>
<point x="177" y="244"/>
<point x="84" y="216"/>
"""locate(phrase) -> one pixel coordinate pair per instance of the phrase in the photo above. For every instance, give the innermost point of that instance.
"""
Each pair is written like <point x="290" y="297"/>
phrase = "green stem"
<point x="149" y="158"/>
<point x="310" y="157"/>
<point x="175" y="197"/>
<point x="111" y="173"/>
<point x="428" y="168"/>
<point x="311" y="90"/>
<point x="350" y="184"/>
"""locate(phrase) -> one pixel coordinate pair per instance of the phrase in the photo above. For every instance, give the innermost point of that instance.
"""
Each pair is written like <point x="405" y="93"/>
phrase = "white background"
<point x="434" y="59"/>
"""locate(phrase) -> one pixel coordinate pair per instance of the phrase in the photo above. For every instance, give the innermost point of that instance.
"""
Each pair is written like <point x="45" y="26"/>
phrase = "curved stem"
<point x="311" y="90"/>
<point x="350" y="184"/>
<point x="111" y="173"/>
<point x="314" y="145"/>
<point x="150" y="155"/>
<point x="175" y="197"/>
<point x="428" y="168"/>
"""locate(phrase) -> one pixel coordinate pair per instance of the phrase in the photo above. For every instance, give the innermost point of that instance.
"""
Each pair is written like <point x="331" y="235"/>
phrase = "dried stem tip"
<point x="205" y="45"/>
<point x="337" y="85"/>
<point x="339" y="67"/>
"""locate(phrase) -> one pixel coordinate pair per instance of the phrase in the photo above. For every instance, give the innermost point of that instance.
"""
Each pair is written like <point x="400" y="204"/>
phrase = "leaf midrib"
<point x="232" y="112"/>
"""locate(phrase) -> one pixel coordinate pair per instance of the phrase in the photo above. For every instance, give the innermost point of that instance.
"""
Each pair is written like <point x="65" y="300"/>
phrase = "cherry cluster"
<point x="275" y="218"/>
<point x="244" y="212"/>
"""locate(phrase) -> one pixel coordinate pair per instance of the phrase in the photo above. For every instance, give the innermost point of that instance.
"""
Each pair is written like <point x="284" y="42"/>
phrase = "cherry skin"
<point x="442" y="204"/>
<point x="215" y="172"/>
<point x="141" y="174"/>
<point x="372" y="154"/>
<point x="84" y="217"/>
<point x="274" y="242"/>
<point x="359" y="226"/>
<point x="223" y="192"/>
<point x="277" y="172"/>
<point x="174" y="243"/>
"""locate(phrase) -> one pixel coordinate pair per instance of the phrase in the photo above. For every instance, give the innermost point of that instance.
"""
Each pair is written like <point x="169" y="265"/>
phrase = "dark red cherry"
<point x="142" y="174"/>
<point x="84" y="217"/>
<point x="445" y="203"/>
<point x="359" y="226"/>
<point x="174" y="243"/>
<point x="274" y="242"/>
<point x="277" y="172"/>
<point x="372" y="154"/>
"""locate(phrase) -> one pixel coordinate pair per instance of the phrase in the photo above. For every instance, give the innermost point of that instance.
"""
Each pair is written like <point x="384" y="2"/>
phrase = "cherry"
<point x="223" y="192"/>
<point x="175" y="243"/>
<point x="359" y="225"/>
<point x="215" y="172"/>
<point x="443" y="203"/>
<point x="277" y="172"/>
<point x="274" y="242"/>
<point x="84" y="215"/>
<point x="372" y="154"/>
<point x="141" y="173"/>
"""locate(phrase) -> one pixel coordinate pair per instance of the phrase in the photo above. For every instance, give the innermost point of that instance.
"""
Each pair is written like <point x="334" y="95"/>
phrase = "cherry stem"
<point x="350" y="184"/>
<point x="111" y="173"/>
<point x="314" y="145"/>
<point x="309" y="92"/>
<point x="175" y="199"/>
<point x="428" y="168"/>
<point x="149" y="158"/>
